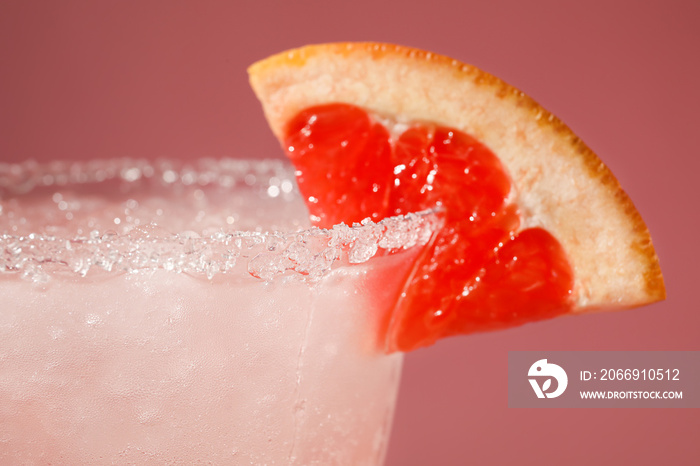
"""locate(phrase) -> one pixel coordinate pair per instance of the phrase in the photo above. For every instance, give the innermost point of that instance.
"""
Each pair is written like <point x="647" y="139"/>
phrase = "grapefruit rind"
<point x="559" y="183"/>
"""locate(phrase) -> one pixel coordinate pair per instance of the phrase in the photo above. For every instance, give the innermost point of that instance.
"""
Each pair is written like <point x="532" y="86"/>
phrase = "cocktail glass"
<point x="164" y="313"/>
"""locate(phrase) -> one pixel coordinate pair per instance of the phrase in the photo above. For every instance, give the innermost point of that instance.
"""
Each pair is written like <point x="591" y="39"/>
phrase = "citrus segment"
<point x="533" y="182"/>
<point x="480" y="273"/>
<point x="355" y="161"/>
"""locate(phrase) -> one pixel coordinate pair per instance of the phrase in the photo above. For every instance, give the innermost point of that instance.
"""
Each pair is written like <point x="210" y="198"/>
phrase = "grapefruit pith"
<point x="535" y="224"/>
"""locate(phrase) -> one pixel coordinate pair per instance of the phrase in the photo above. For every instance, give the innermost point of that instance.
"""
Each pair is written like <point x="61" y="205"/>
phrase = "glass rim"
<point x="307" y="253"/>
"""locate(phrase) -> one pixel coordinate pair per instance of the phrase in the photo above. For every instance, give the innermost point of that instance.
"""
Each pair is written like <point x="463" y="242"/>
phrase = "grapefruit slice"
<point x="535" y="225"/>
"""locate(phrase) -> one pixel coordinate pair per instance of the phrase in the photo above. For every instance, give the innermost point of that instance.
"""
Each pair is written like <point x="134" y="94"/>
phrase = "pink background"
<point x="167" y="78"/>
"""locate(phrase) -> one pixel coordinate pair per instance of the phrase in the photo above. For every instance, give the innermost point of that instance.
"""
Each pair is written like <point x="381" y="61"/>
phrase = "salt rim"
<point x="308" y="254"/>
<point x="20" y="178"/>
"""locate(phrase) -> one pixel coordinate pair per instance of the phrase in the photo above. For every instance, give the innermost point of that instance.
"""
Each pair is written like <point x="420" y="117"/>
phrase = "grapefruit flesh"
<point x="535" y="224"/>
<point x="482" y="272"/>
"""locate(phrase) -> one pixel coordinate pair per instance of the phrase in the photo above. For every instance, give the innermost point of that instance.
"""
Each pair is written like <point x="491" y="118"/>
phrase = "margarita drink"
<point x="159" y="313"/>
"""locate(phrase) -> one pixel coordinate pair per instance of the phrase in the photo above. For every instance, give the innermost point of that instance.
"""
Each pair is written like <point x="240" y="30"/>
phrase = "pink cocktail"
<point x="159" y="313"/>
